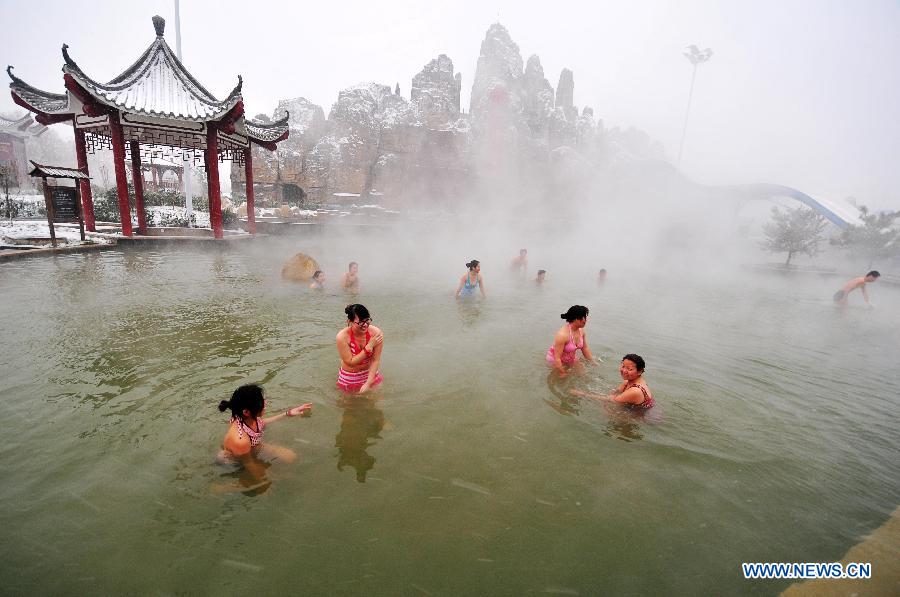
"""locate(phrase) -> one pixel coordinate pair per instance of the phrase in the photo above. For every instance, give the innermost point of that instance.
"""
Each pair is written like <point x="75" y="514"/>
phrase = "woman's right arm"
<point x="461" y="282"/>
<point x="559" y="345"/>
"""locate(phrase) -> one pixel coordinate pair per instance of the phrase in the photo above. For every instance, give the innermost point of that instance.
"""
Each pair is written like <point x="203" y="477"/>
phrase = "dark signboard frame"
<point x="66" y="204"/>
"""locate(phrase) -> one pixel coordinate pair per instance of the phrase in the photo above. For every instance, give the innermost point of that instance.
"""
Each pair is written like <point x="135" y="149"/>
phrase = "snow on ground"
<point x="39" y="229"/>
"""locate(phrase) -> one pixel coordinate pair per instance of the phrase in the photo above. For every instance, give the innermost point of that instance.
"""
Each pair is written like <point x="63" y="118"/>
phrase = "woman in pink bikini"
<point x="633" y="391"/>
<point x="243" y="441"/>
<point x="359" y="346"/>
<point x="569" y="340"/>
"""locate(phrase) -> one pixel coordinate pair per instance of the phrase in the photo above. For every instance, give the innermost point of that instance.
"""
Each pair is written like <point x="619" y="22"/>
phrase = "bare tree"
<point x="794" y="231"/>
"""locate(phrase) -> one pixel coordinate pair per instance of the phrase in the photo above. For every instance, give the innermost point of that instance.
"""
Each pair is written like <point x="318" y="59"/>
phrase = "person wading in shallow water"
<point x="840" y="297"/>
<point x="471" y="281"/>
<point x="243" y="443"/>
<point x="359" y="346"/>
<point x="633" y="391"/>
<point x="520" y="264"/>
<point x="569" y="340"/>
<point x="350" y="280"/>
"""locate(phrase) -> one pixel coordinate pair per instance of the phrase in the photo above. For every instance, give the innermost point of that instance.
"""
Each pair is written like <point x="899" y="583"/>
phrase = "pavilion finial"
<point x="159" y="24"/>
<point x="12" y="76"/>
<point x="66" y="57"/>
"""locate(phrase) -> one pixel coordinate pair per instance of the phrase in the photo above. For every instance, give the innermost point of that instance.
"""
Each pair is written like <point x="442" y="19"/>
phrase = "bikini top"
<point x="570" y="345"/>
<point x="255" y="436"/>
<point x="355" y="349"/>
<point x="648" y="400"/>
<point x="469" y="284"/>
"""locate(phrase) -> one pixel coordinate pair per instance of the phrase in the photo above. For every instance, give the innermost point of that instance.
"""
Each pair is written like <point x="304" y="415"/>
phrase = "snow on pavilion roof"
<point x="267" y="132"/>
<point x="43" y="101"/>
<point x="157" y="84"/>
<point x="15" y="126"/>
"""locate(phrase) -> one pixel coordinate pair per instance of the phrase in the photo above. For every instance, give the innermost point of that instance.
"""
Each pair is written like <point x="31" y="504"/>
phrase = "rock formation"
<point x="520" y="138"/>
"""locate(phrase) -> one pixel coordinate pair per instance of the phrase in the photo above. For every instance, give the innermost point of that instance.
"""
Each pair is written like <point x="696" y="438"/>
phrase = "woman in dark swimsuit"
<point x="633" y="391"/>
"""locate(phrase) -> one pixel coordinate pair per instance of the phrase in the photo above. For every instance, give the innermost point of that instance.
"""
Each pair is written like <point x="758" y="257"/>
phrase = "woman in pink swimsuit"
<point x="633" y="391"/>
<point x="243" y="441"/>
<point x="359" y="346"/>
<point x="569" y="340"/>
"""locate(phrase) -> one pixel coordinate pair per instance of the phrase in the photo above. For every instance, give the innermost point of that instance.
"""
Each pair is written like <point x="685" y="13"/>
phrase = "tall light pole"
<point x="696" y="57"/>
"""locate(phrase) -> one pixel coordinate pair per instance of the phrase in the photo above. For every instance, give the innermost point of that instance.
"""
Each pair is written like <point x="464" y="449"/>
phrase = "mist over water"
<point x="472" y="471"/>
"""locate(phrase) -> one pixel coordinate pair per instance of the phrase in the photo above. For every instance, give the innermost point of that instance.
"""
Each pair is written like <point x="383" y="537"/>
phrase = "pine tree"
<point x="876" y="238"/>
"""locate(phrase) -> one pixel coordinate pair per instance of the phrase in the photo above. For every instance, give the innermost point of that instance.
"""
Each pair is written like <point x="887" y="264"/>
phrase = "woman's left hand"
<point x="304" y="410"/>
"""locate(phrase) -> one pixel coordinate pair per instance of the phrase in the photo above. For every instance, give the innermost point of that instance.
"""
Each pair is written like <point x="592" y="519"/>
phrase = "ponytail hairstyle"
<point x="575" y="312"/>
<point x="356" y="312"/>
<point x="637" y="360"/>
<point x="248" y="397"/>
<point x="473" y="264"/>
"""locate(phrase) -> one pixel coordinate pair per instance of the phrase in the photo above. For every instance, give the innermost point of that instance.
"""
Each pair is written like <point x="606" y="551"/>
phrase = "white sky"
<point x="799" y="92"/>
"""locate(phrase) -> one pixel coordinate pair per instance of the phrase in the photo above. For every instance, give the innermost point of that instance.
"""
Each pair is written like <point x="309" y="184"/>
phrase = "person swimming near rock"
<point x="350" y="280"/>
<point x="570" y="338"/>
<point x="472" y="281"/>
<point x="359" y="345"/>
<point x="840" y="297"/>
<point x="318" y="280"/>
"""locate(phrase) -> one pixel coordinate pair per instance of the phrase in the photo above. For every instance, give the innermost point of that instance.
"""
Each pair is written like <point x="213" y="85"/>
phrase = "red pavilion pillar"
<point x="87" y="198"/>
<point x="212" y="178"/>
<point x="138" y="177"/>
<point x="118" y="146"/>
<point x="248" y="175"/>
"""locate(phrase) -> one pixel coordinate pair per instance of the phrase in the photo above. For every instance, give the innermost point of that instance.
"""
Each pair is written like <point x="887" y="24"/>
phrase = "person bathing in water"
<point x="471" y="281"/>
<point x="318" y="280"/>
<point x="541" y="275"/>
<point x="350" y="280"/>
<point x="243" y="440"/>
<point x="569" y="340"/>
<point x="520" y="264"/>
<point x="840" y="297"/>
<point x="633" y="391"/>
<point x="359" y="346"/>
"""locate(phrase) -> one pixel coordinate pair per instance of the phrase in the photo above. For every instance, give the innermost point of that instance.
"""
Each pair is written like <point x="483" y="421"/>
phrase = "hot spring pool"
<point x="469" y="472"/>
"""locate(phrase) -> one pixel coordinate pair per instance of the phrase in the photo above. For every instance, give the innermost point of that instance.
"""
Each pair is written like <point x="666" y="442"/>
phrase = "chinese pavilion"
<point x="13" y="132"/>
<point x="156" y="108"/>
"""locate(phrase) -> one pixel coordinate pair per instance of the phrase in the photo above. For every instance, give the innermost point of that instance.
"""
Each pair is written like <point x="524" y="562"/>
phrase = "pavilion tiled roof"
<point x="57" y="172"/>
<point x="267" y="132"/>
<point x="44" y="101"/>
<point x="157" y="84"/>
<point x="15" y="124"/>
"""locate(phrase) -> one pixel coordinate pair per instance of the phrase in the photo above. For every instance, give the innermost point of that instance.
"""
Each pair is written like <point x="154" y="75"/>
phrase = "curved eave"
<point x="37" y="100"/>
<point x="268" y="132"/>
<point x="138" y="75"/>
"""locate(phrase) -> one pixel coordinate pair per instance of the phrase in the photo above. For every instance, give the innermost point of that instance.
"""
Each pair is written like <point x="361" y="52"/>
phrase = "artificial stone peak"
<point x="159" y="24"/>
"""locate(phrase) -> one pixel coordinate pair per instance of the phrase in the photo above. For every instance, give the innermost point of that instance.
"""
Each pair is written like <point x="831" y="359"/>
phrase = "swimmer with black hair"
<point x="471" y="281"/>
<point x="569" y="340"/>
<point x="350" y="280"/>
<point x="541" y="275"/>
<point x="633" y="392"/>
<point x="243" y="440"/>
<point x="318" y="280"/>
<point x="359" y="345"/>
<point x="840" y="297"/>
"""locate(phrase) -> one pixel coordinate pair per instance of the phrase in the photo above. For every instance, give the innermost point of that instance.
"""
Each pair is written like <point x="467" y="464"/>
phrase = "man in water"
<point x="520" y="263"/>
<point x="350" y="280"/>
<point x="840" y="297"/>
<point x="542" y="273"/>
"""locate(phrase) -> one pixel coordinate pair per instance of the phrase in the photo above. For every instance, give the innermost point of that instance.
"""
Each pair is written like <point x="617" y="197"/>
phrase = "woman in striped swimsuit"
<point x="359" y="346"/>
